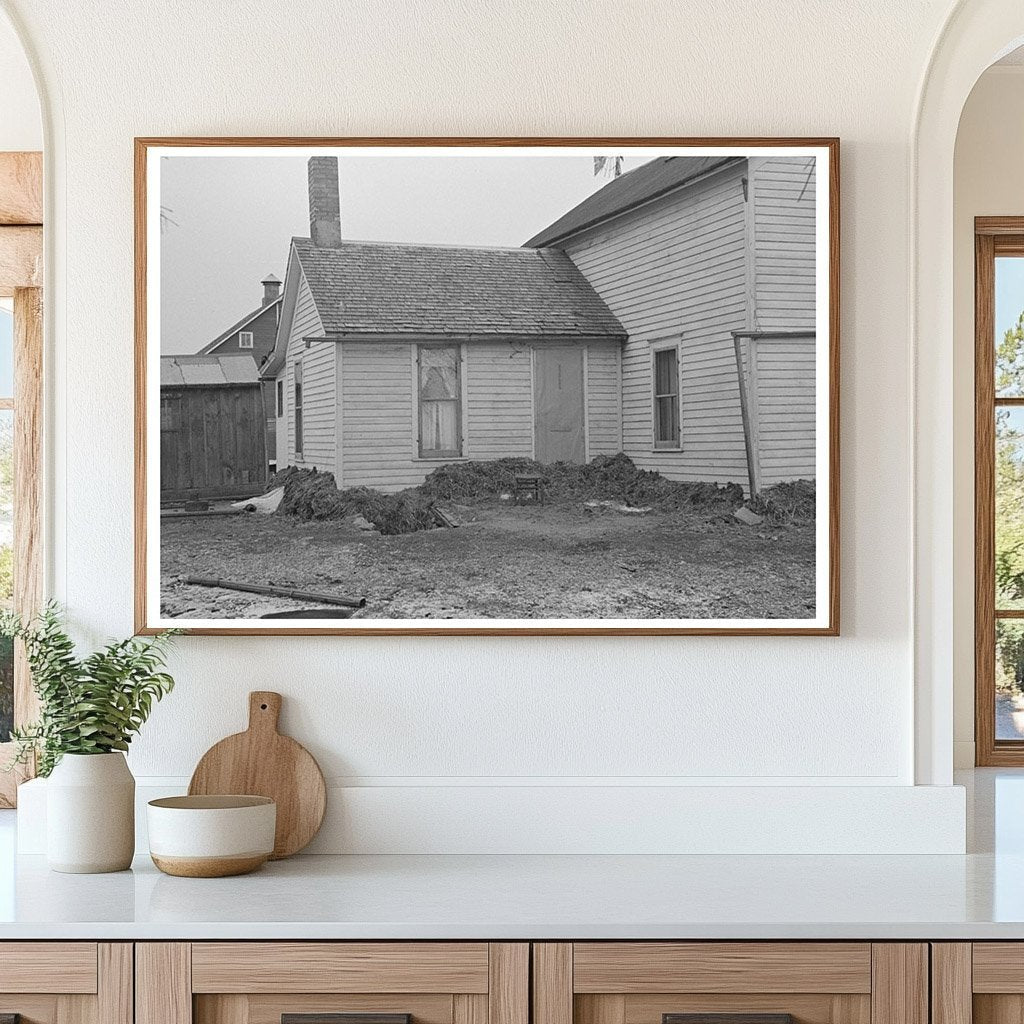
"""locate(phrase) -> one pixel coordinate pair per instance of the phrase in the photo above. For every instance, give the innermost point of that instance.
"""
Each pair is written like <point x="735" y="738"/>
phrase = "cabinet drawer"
<point x="332" y="983"/>
<point x="730" y="983"/>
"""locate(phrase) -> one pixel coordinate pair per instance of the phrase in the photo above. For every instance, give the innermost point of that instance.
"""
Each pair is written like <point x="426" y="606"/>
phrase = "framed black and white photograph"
<point x="487" y="385"/>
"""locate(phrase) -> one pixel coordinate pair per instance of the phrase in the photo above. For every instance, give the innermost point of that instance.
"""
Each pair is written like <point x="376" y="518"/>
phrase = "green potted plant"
<point x="90" y="708"/>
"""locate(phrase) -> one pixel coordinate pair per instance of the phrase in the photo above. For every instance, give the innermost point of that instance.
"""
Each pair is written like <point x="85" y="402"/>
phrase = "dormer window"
<point x="245" y="339"/>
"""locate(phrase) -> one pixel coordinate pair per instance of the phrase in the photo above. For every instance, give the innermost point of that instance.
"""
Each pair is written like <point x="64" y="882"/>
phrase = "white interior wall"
<point x="987" y="182"/>
<point x="444" y="716"/>
<point x="21" y="126"/>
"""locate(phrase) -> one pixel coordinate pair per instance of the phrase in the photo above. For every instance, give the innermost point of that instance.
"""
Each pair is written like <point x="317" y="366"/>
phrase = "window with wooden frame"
<point x="999" y="491"/>
<point x="21" y="366"/>
<point x="245" y="339"/>
<point x="665" y="378"/>
<point x="439" y="389"/>
<point x="297" y="406"/>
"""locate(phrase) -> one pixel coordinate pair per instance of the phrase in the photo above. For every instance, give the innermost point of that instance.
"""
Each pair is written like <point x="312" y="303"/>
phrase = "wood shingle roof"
<point x="363" y="288"/>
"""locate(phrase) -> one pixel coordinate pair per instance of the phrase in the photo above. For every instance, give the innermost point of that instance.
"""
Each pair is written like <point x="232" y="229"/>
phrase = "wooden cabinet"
<point x="978" y="983"/>
<point x="66" y="982"/>
<point x="375" y="982"/>
<point x="494" y="983"/>
<point x="758" y="982"/>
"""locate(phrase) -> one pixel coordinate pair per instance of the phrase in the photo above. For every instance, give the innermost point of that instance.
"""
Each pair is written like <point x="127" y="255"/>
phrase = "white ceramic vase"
<point x="90" y="814"/>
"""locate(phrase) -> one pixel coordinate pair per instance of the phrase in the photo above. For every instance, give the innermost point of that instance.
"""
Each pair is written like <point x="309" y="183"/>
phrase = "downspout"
<point x="738" y="337"/>
<point x="743" y="339"/>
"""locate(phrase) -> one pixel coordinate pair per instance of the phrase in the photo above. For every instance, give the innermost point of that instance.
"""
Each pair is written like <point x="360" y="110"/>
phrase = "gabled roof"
<point x="206" y="371"/>
<point x="363" y="288"/>
<point x="247" y="319"/>
<point x="648" y="181"/>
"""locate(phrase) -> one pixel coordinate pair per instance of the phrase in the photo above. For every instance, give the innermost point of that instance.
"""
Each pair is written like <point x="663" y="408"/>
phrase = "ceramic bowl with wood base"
<point x="211" y="836"/>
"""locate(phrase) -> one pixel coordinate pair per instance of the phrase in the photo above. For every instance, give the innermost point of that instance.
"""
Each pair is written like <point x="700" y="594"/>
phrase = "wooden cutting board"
<point x="262" y="762"/>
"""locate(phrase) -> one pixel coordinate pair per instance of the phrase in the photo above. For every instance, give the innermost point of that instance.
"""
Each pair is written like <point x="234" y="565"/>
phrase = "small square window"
<point x="245" y="339"/>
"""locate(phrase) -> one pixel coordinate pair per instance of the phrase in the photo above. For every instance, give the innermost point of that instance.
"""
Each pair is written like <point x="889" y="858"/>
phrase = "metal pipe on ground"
<point x="295" y="595"/>
<point x="186" y="514"/>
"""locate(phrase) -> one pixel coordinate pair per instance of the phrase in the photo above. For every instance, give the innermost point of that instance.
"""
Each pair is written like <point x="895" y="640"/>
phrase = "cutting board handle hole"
<point x="263" y="707"/>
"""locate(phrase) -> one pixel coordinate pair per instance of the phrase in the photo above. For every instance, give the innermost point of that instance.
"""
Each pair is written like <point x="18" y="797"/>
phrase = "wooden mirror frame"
<point x="21" y="279"/>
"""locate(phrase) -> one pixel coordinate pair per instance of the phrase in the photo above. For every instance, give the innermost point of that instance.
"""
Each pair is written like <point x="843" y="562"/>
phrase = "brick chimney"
<point x="271" y="289"/>
<point x="324" y="202"/>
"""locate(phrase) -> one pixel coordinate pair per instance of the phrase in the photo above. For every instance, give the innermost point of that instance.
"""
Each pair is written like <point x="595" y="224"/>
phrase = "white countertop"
<point x="497" y="897"/>
<point x="977" y="896"/>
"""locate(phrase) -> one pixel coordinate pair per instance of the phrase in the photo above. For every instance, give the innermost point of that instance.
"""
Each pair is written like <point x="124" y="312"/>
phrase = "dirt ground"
<point x="517" y="562"/>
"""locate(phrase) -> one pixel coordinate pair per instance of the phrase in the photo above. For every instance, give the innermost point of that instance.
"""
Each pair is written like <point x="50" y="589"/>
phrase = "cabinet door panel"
<point x="260" y="982"/>
<point x="808" y="982"/>
<point x="66" y="982"/>
<point x="978" y="983"/>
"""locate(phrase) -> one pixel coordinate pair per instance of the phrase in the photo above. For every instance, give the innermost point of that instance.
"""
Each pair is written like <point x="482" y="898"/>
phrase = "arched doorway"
<point x="977" y="33"/>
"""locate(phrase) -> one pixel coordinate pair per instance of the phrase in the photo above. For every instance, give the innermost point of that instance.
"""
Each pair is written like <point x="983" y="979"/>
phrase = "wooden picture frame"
<point x="823" y="621"/>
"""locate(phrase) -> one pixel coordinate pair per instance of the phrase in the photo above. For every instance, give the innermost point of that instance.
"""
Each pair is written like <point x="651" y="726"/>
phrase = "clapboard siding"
<point x="676" y="268"/>
<point x="499" y="400"/>
<point x="319" y="395"/>
<point x="784" y="231"/>
<point x="604" y="399"/>
<point x="786" y="408"/>
<point x="377" y="382"/>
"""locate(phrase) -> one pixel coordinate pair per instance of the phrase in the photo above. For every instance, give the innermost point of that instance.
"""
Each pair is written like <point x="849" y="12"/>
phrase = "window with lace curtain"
<point x="439" y="374"/>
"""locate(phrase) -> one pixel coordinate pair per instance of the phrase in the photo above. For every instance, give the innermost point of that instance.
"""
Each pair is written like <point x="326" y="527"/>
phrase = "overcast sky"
<point x="229" y="219"/>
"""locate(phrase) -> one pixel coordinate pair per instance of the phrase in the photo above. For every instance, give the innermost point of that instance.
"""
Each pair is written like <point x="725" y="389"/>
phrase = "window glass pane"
<point x="1009" y="514"/>
<point x="439" y="373"/>
<point x="666" y="419"/>
<point x="439" y="427"/>
<point x="6" y="354"/>
<point x="1009" y="679"/>
<point x="298" y="406"/>
<point x="665" y="372"/>
<point x="6" y="567"/>
<point x="1009" y="326"/>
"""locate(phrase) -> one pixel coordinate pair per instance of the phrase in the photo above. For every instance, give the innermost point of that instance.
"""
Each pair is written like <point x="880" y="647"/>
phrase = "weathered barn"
<point x="254" y="334"/>
<point x="709" y="265"/>
<point x="212" y="441"/>
<point x="392" y="359"/>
